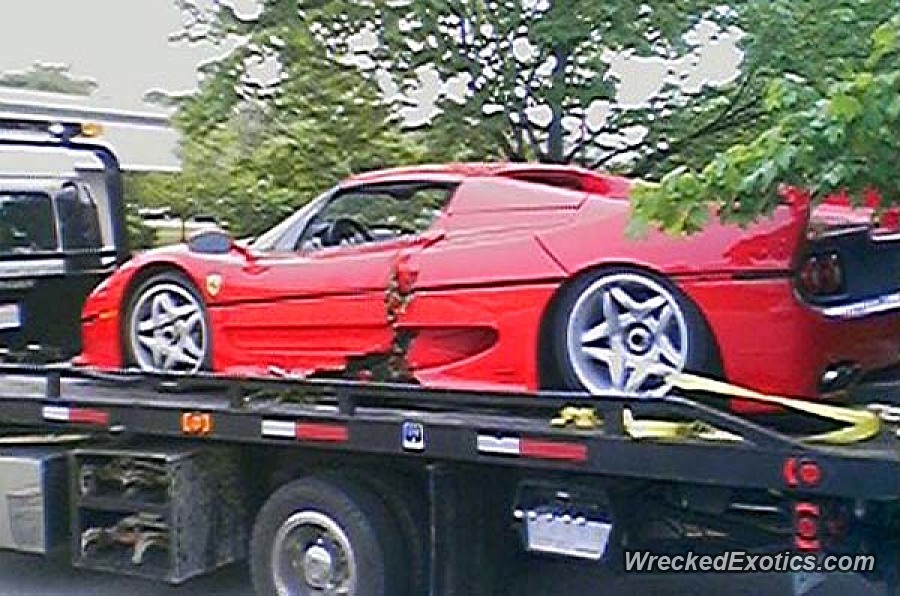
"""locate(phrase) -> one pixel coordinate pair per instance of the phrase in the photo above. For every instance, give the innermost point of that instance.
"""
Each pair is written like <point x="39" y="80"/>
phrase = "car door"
<point x="320" y="305"/>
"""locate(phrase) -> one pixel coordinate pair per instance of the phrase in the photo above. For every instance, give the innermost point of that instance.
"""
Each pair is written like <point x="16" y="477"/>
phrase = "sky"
<point x="121" y="44"/>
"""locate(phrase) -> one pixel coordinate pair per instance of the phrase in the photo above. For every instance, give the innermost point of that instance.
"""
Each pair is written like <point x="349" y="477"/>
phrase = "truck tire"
<point x="403" y="497"/>
<point x="324" y="534"/>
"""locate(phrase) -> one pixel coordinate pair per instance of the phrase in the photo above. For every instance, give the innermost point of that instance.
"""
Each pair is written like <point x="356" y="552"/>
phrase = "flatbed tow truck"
<point x="398" y="474"/>
<point x="365" y="488"/>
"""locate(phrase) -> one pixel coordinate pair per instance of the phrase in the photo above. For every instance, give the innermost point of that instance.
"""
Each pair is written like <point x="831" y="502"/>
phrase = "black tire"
<point x="404" y="498"/>
<point x="364" y="519"/>
<point x="167" y="277"/>
<point x="558" y="370"/>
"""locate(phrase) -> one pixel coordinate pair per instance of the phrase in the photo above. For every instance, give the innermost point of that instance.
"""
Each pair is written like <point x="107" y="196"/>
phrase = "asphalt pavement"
<point x="25" y="575"/>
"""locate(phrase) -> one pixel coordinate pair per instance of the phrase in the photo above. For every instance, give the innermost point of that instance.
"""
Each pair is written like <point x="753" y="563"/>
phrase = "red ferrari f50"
<point x="509" y="276"/>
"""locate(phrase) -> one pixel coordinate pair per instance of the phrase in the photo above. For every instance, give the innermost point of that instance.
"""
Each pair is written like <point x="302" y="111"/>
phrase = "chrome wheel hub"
<point x="626" y="334"/>
<point x="167" y="330"/>
<point x="318" y="567"/>
<point x="312" y="556"/>
<point x="639" y="340"/>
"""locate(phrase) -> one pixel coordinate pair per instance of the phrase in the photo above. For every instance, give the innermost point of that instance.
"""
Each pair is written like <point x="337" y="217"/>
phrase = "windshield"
<point x="283" y="236"/>
<point x="26" y="223"/>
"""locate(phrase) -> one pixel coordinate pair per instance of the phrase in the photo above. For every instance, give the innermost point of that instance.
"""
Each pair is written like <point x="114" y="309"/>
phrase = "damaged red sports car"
<point x="505" y="276"/>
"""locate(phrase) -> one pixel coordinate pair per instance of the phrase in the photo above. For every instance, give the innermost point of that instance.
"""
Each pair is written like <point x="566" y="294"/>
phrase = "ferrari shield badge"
<point x="213" y="284"/>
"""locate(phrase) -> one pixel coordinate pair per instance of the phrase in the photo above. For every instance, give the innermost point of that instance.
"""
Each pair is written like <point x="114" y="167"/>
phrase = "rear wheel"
<point x="323" y="536"/>
<point x="624" y="332"/>
<point x="166" y="326"/>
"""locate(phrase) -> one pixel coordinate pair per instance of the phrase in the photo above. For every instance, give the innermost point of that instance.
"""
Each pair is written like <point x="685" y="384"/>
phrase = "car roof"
<point x="566" y="176"/>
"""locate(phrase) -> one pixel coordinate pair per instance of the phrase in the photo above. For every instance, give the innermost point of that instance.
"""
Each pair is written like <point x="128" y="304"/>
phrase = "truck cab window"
<point x="79" y="224"/>
<point x="26" y="223"/>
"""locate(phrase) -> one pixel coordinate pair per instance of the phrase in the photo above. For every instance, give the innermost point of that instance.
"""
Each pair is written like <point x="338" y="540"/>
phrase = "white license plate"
<point x="10" y="316"/>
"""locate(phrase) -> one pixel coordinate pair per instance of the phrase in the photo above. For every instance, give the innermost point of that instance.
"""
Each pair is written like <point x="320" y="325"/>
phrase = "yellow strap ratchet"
<point x="670" y="430"/>
<point x="862" y="424"/>
<point x="583" y="418"/>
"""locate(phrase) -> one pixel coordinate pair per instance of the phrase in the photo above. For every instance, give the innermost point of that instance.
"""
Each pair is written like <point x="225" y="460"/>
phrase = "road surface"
<point x="24" y="575"/>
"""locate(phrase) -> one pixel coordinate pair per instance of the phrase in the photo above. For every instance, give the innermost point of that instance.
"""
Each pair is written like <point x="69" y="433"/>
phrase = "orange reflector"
<point x="91" y="130"/>
<point x="196" y="423"/>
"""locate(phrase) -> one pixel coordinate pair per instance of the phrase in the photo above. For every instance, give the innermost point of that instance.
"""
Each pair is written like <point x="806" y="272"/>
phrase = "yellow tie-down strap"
<point x="859" y="424"/>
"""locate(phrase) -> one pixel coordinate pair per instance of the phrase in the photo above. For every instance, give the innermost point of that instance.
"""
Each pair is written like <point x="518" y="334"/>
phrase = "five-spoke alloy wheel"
<point x="626" y="332"/>
<point x="166" y="328"/>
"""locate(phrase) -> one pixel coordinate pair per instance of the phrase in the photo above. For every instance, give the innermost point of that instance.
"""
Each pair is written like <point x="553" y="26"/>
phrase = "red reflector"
<point x="806" y="509"/>
<point x="85" y="416"/>
<point x="810" y="473"/>
<point x="806" y="545"/>
<point x="334" y="433"/>
<point x="807" y="528"/>
<point x="552" y="450"/>
<point x="789" y="471"/>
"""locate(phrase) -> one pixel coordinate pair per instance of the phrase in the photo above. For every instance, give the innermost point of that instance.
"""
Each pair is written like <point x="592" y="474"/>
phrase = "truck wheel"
<point x="325" y="535"/>
<point x="402" y="496"/>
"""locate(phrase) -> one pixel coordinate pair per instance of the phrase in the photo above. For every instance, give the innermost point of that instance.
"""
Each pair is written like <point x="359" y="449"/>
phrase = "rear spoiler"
<point x="565" y="176"/>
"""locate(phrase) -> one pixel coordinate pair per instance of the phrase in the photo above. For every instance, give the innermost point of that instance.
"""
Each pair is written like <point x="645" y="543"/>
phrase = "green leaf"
<point x="845" y="107"/>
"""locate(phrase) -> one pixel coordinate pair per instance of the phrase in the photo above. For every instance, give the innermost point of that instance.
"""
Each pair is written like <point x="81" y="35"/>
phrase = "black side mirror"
<point x="218" y="242"/>
<point x="211" y="242"/>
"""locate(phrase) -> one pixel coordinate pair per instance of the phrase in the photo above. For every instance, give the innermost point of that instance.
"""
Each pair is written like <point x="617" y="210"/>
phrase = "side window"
<point x="376" y="214"/>
<point x="79" y="225"/>
<point x="26" y="223"/>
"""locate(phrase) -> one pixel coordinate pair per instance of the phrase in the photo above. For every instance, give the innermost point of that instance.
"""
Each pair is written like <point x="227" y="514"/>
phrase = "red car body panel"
<point x="471" y="293"/>
<point x="789" y="357"/>
<point x="485" y="338"/>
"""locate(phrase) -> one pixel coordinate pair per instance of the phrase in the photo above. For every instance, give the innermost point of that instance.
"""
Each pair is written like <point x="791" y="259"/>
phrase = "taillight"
<point x="822" y="275"/>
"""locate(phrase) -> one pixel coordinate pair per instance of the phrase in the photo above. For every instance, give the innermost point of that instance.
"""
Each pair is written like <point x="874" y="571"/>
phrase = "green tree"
<point x="809" y="41"/>
<point x="55" y="78"/>
<point x="523" y="80"/>
<point x="836" y="136"/>
<point x="541" y="79"/>
<point x="256" y="146"/>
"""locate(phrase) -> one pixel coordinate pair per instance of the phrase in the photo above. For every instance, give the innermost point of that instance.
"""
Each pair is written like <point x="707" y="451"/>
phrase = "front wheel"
<point x="166" y="327"/>
<point x="624" y="332"/>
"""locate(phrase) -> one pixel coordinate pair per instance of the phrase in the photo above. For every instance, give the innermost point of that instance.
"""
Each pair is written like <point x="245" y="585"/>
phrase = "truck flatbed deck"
<point x="459" y="426"/>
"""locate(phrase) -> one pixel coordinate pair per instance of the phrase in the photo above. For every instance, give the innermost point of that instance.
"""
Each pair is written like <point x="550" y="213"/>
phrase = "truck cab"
<point x="62" y="230"/>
